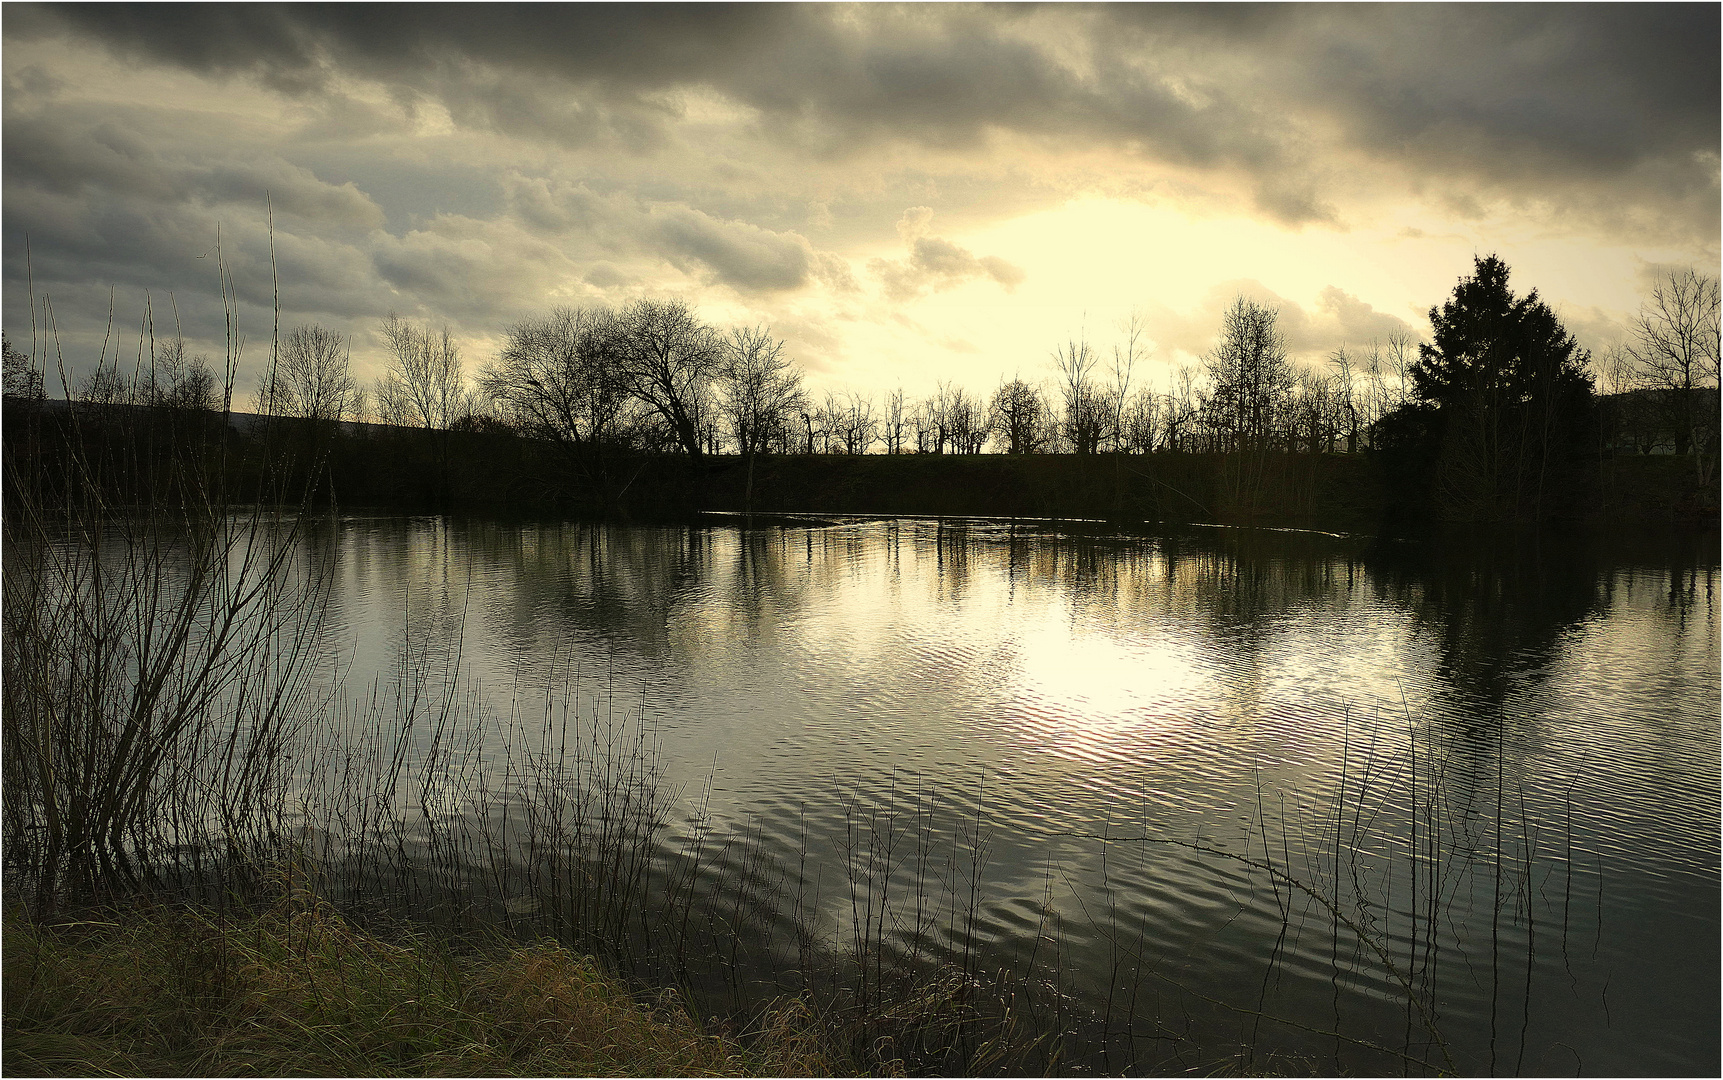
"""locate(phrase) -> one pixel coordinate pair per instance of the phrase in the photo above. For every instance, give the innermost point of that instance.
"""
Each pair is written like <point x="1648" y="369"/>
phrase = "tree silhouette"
<point x="759" y="390"/>
<point x="311" y="378"/>
<point x="1500" y="407"/>
<point x="669" y="358"/>
<point x="1672" y="350"/>
<point x="23" y="378"/>
<point x="1250" y="376"/>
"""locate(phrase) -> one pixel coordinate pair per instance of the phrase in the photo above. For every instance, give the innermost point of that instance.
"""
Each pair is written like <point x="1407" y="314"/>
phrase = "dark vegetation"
<point x="649" y="413"/>
<point x="164" y="738"/>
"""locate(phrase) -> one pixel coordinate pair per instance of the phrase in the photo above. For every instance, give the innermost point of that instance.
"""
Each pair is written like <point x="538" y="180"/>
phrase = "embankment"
<point x="409" y="470"/>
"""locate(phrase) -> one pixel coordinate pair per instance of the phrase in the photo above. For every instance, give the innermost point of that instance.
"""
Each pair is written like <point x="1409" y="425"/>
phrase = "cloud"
<point x="75" y="155"/>
<point x="739" y="254"/>
<point x="474" y="163"/>
<point x="1342" y="315"/>
<point x="936" y="264"/>
<point x="1312" y="335"/>
<point x="1294" y="204"/>
<point x="1464" y="102"/>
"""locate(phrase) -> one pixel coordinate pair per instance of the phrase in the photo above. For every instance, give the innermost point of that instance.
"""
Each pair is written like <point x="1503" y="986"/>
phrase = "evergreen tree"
<point x="1500" y="410"/>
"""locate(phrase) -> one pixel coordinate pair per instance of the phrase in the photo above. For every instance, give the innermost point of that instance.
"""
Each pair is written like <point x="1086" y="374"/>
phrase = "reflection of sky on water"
<point x="1065" y="686"/>
<point x="979" y="646"/>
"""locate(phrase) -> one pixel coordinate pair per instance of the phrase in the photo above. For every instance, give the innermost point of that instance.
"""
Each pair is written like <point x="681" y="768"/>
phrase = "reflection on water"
<point x="1525" y="727"/>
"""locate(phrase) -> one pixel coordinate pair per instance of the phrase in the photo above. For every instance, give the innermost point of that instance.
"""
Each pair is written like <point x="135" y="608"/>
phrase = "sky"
<point x="905" y="195"/>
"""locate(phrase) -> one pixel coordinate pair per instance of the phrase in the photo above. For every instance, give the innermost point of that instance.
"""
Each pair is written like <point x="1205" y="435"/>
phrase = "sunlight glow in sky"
<point x="905" y="195"/>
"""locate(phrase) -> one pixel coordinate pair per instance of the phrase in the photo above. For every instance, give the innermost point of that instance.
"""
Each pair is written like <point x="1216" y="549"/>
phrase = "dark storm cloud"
<point x="1511" y="95"/>
<point x="475" y="163"/>
<point x="102" y="158"/>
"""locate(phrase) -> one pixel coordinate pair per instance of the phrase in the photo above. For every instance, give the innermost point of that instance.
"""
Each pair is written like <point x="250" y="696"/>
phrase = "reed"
<point x="164" y="734"/>
<point x="157" y="639"/>
<point x="548" y="819"/>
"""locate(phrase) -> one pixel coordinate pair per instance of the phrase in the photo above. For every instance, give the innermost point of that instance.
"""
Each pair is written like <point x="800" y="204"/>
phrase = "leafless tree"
<point x="1349" y="411"/>
<point x="1020" y="417"/>
<point x="424" y="384"/>
<point x="932" y="420"/>
<point x="827" y="421"/>
<point x="178" y="381"/>
<point x="1250" y="376"/>
<point x="1632" y="418"/>
<point x="1076" y="364"/>
<point x="1140" y="422"/>
<point x="311" y="378"/>
<point x="967" y="423"/>
<point x="22" y="378"/>
<point x="1673" y="346"/>
<point x="1387" y="377"/>
<point x="758" y="388"/>
<point x="668" y="357"/>
<point x="557" y="379"/>
<point x="1312" y="415"/>
<point x="894" y="422"/>
<point x="1125" y="357"/>
<point x="1182" y="425"/>
<point x="928" y="424"/>
<point x="859" y="426"/>
<point x="104" y="386"/>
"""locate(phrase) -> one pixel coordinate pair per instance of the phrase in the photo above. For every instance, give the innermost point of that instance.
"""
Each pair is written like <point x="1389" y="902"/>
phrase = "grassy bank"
<point x="169" y="730"/>
<point x="297" y="990"/>
<point x="411" y="470"/>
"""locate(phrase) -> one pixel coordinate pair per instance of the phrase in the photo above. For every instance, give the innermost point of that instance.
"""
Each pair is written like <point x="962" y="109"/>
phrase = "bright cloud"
<point x="905" y="194"/>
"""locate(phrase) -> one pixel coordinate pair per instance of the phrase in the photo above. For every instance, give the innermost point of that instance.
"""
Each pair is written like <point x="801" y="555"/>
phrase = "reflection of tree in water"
<point x="1497" y="603"/>
<point x="763" y="577"/>
<point x="578" y="579"/>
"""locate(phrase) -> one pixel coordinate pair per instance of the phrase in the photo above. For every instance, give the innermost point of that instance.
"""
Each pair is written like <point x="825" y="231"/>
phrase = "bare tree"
<point x="104" y="386"/>
<point x="932" y="420"/>
<point x="1140" y="422"/>
<point x="1076" y="363"/>
<point x="757" y="385"/>
<point x="893" y="422"/>
<point x="926" y="420"/>
<point x="668" y="357"/>
<point x="178" y="381"/>
<point x="1348" y="413"/>
<point x="424" y="384"/>
<point x="860" y="426"/>
<point x="1249" y="374"/>
<point x="1311" y="413"/>
<point x="1632" y="419"/>
<point x="311" y="378"/>
<point x="22" y="378"/>
<point x="557" y="379"/>
<point x="966" y="421"/>
<point x="1020" y="417"/>
<point x="758" y="388"/>
<point x="1125" y="359"/>
<point x="1673" y="347"/>
<point x="1182" y="423"/>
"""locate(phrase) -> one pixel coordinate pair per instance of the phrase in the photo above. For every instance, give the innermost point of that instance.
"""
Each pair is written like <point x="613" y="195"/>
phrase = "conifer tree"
<point x="1501" y="403"/>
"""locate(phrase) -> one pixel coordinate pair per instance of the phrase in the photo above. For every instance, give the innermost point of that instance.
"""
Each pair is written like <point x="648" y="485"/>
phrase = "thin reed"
<point x="169" y="729"/>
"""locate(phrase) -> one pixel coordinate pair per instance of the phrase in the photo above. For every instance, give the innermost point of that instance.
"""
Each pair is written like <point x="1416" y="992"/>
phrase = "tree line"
<point x="1501" y="396"/>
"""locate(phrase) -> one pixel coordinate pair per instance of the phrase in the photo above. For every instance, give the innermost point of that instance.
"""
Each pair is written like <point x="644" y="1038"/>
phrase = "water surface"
<point x="1517" y="736"/>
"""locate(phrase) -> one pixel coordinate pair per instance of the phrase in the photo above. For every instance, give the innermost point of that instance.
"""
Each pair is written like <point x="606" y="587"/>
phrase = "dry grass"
<point x="298" y="990"/>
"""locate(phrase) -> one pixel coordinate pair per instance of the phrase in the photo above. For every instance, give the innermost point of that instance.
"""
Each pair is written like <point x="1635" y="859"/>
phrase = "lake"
<point x="1228" y="795"/>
